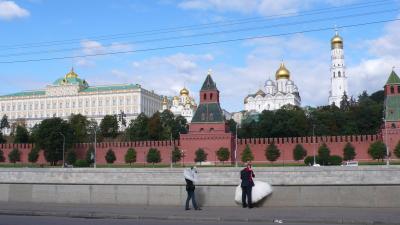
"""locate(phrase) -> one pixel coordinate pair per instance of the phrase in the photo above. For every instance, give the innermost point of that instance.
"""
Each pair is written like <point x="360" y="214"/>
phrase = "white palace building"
<point x="73" y="95"/>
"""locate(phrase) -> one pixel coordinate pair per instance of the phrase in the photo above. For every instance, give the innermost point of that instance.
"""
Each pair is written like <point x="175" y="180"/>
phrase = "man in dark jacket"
<point x="190" y="192"/>
<point x="246" y="175"/>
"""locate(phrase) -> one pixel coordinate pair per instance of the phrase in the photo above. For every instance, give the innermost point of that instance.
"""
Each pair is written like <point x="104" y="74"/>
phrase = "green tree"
<point x="377" y="150"/>
<point x="201" y="155"/>
<point x="324" y="154"/>
<point x="232" y="126"/>
<point x="223" y="154"/>
<point x="110" y="156"/>
<point x="153" y="156"/>
<point x="130" y="156"/>
<point x="299" y="152"/>
<point x="71" y="157"/>
<point x="47" y="136"/>
<point x="90" y="154"/>
<point x="33" y="155"/>
<point x="155" y="127"/>
<point x="80" y="126"/>
<point x="109" y="126"/>
<point x="397" y="150"/>
<point x="14" y="156"/>
<point x="4" y="122"/>
<point x="247" y="154"/>
<point x="176" y="155"/>
<point x="349" y="152"/>
<point x="2" y="139"/>
<point x="272" y="153"/>
<point x="21" y="135"/>
<point x="181" y="127"/>
<point x="167" y="120"/>
<point x="335" y="160"/>
<point x="2" y="158"/>
<point x="138" y="128"/>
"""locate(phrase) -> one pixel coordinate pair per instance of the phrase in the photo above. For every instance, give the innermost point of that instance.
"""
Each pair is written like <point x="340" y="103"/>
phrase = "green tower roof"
<point x="393" y="78"/>
<point x="208" y="84"/>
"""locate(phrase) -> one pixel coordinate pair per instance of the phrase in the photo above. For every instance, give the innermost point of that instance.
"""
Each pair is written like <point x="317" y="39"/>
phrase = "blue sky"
<point x="239" y="68"/>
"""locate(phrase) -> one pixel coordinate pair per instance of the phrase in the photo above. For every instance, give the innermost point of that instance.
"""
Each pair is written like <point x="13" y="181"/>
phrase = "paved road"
<point x="130" y="214"/>
<point x="47" y="220"/>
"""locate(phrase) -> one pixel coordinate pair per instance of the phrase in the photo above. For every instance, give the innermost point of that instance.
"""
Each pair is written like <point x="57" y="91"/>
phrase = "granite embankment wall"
<point x="257" y="145"/>
<point x="295" y="186"/>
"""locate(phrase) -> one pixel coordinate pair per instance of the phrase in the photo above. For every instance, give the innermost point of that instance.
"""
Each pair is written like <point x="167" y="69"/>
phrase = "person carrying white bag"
<point x="254" y="191"/>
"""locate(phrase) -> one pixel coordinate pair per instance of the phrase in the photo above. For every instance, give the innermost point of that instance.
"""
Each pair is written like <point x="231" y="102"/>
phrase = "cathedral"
<point x="276" y="94"/>
<point x="338" y="73"/>
<point x="183" y="105"/>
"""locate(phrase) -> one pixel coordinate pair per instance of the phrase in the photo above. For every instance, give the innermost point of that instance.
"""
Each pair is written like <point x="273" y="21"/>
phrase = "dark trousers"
<point x="246" y="191"/>
<point x="190" y="195"/>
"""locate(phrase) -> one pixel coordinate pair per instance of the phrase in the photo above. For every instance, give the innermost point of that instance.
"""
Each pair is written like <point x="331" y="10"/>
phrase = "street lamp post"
<point x="313" y="133"/>
<point x="173" y="148"/>
<point x="63" y="158"/>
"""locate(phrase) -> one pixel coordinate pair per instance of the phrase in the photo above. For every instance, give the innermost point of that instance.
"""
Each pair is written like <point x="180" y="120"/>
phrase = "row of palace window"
<point x="62" y="114"/>
<point x="66" y="104"/>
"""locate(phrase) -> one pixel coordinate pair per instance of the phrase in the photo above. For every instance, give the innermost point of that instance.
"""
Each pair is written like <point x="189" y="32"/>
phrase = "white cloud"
<point x="10" y="10"/>
<point x="90" y="47"/>
<point x="262" y="7"/>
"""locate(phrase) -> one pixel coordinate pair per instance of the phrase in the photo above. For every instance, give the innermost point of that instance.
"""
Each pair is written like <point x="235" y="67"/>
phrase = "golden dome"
<point x="165" y="100"/>
<point x="337" y="41"/>
<point x="176" y="98"/>
<point x="184" y="91"/>
<point x="71" y="74"/>
<point x="282" y="72"/>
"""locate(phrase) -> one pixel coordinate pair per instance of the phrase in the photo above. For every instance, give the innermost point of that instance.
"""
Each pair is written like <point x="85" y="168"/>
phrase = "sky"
<point x="170" y="44"/>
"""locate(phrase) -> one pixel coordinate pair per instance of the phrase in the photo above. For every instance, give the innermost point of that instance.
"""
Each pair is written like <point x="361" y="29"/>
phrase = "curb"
<point x="94" y="215"/>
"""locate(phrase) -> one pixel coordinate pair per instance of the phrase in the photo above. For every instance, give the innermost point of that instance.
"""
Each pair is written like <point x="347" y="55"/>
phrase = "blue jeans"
<point x="190" y="195"/>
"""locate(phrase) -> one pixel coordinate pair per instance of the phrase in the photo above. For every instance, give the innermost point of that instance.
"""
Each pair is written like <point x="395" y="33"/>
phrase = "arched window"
<point x="205" y="96"/>
<point x="211" y="96"/>
<point x="398" y="89"/>
<point x="211" y="116"/>
<point x="391" y="89"/>
<point x="393" y="125"/>
<point x="201" y="129"/>
<point x="211" y="129"/>
<point x="203" y="116"/>
<point x="334" y="74"/>
<point x="339" y="74"/>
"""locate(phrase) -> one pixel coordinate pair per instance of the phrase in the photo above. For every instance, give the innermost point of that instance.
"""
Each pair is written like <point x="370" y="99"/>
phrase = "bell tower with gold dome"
<point x="338" y="71"/>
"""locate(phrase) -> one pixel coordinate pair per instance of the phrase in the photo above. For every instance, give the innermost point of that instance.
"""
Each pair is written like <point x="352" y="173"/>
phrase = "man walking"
<point x="191" y="177"/>
<point x="246" y="175"/>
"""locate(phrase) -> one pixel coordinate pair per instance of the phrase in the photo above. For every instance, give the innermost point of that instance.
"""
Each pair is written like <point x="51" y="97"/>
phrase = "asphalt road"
<point x="47" y="220"/>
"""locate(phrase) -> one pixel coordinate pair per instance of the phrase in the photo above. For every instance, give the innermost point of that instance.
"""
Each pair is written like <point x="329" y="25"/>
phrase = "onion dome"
<point x="337" y="41"/>
<point x="282" y="72"/>
<point x="184" y="91"/>
<point x="165" y="100"/>
<point x="71" y="74"/>
<point x="269" y="82"/>
<point x="176" y="98"/>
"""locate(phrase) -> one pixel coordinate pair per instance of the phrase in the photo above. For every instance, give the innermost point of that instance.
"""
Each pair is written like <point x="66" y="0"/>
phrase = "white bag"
<point x="260" y="190"/>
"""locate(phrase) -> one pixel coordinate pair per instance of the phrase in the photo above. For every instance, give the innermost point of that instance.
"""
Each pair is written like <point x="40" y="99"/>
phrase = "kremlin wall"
<point x="208" y="130"/>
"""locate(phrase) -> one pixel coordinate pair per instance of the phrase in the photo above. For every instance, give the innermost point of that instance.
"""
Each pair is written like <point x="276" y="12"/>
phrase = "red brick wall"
<point x="286" y="146"/>
<point x="211" y="142"/>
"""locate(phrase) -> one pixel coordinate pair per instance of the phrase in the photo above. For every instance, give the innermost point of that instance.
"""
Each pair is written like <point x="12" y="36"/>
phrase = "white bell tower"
<point x="338" y="71"/>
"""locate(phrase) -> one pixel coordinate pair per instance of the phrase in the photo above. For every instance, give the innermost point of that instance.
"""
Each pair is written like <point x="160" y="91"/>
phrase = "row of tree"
<point x="352" y="117"/>
<point x="377" y="151"/>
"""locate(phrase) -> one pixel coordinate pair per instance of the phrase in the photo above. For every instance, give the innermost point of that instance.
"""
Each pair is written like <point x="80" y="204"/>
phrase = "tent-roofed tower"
<point x="391" y="131"/>
<point x="208" y="128"/>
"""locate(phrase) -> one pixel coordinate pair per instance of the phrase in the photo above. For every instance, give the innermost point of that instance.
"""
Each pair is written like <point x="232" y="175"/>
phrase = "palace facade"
<point x="73" y="95"/>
